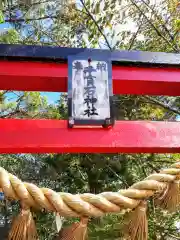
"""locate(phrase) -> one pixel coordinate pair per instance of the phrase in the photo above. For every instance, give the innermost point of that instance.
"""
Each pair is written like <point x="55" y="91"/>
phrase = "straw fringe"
<point x="170" y="199"/>
<point x="23" y="227"/>
<point x="77" y="231"/>
<point x="136" y="227"/>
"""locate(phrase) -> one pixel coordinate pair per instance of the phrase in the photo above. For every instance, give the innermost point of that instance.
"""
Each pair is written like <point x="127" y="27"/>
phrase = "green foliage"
<point x="101" y="23"/>
<point x="9" y="37"/>
<point x="1" y="17"/>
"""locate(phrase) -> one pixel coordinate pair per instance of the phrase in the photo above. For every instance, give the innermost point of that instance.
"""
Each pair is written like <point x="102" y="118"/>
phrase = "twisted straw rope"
<point x="86" y="204"/>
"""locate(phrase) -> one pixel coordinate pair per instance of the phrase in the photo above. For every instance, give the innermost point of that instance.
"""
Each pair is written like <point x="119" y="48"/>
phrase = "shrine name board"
<point x="90" y="92"/>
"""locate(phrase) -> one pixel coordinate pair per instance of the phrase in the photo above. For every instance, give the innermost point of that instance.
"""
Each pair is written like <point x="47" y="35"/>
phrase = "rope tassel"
<point x="137" y="225"/>
<point x="170" y="198"/>
<point x="77" y="231"/>
<point x="23" y="227"/>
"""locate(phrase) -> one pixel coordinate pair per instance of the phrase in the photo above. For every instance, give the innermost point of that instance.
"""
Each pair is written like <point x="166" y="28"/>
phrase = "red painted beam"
<point x="37" y="76"/>
<point x="53" y="136"/>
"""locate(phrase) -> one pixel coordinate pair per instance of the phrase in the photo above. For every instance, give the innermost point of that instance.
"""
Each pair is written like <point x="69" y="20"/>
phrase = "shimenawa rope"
<point x="86" y="205"/>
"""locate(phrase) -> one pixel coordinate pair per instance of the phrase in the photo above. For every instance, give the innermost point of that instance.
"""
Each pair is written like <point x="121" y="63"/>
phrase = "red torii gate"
<point x="35" y="68"/>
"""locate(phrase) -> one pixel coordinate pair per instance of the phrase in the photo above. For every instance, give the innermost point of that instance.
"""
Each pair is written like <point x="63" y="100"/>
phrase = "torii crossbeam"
<point x="35" y="68"/>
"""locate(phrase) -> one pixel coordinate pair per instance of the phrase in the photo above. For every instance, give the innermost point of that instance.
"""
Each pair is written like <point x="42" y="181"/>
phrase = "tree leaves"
<point x="97" y="8"/>
<point x="1" y="17"/>
<point x="47" y="24"/>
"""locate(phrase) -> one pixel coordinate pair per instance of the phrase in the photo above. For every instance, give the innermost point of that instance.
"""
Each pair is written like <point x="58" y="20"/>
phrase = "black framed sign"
<point x="90" y="91"/>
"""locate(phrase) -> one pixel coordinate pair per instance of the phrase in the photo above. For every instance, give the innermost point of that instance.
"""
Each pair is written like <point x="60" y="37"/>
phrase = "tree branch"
<point x="162" y="24"/>
<point x="173" y="236"/>
<point x="9" y="10"/>
<point x="98" y="27"/>
<point x="136" y="33"/>
<point x="30" y="19"/>
<point x="121" y="179"/>
<point x="26" y="5"/>
<point x="154" y="27"/>
<point x="163" y="105"/>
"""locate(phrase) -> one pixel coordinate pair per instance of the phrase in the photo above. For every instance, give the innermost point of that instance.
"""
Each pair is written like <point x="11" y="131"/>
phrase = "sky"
<point x="178" y="118"/>
<point x="52" y="97"/>
<point x="4" y="27"/>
